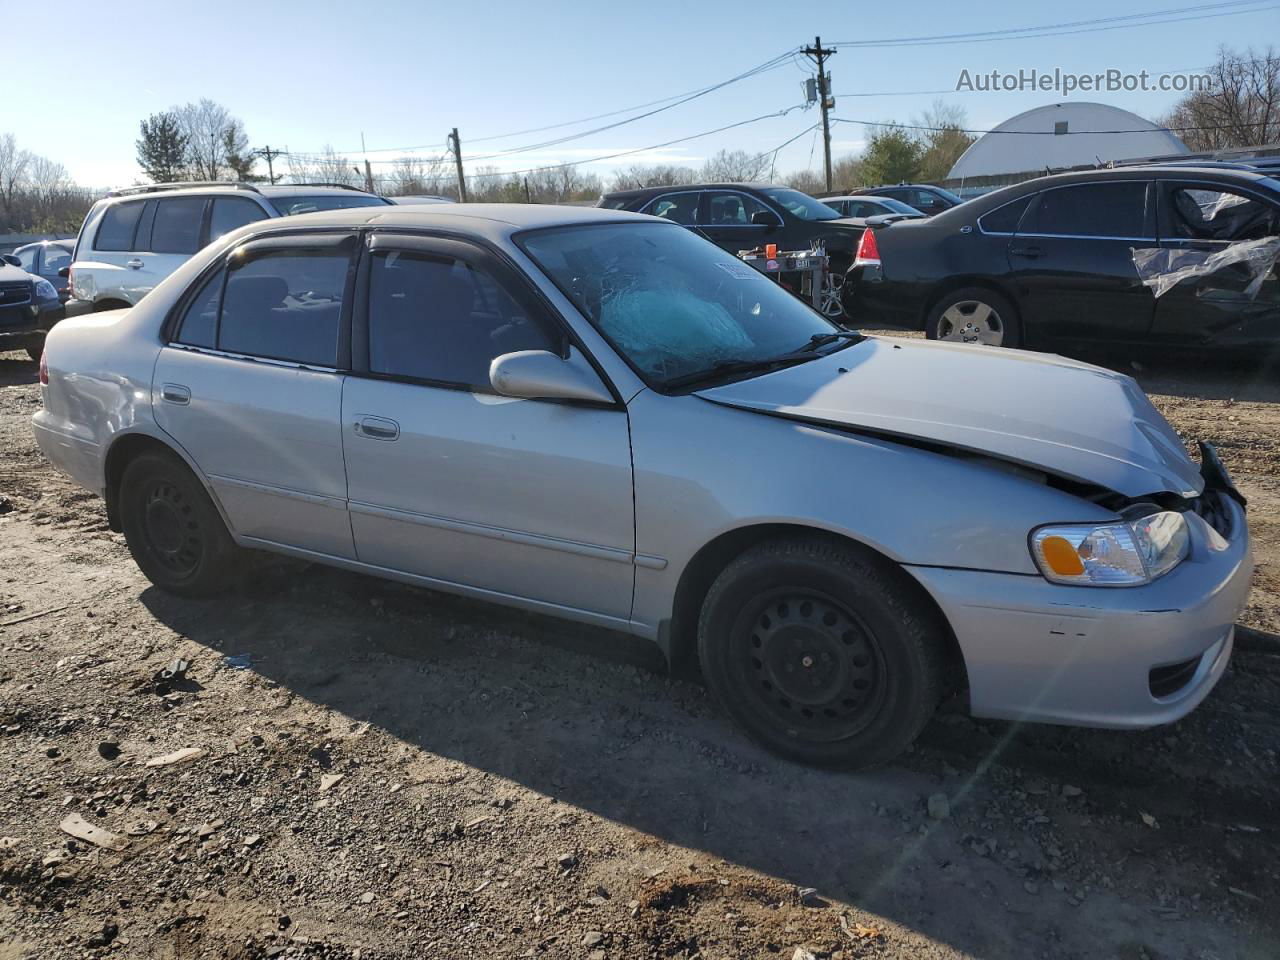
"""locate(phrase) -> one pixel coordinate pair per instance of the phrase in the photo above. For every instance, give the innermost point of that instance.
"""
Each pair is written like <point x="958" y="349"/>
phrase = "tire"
<point x="975" y="315"/>
<point x="173" y="530"/>
<point x="102" y="306"/>
<point x="36" y="352"/>
<point x="822" y="652"/>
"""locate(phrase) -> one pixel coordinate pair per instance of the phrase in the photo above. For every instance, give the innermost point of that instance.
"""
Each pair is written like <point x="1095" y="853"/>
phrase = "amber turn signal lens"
<point x="1061" y="557"/>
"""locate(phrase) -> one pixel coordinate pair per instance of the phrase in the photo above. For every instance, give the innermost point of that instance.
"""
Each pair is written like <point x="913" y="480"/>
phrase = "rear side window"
<point x="285" y="305"/>
<point x="435" y="318"/>
<point x="1116" y="209"/>
<point x="231" y="213"/>
<point x="676" y="207"/>
<point x="199" y="326"/>
<point x="1005" y="219"/>
<point x="27" y="258"/>
<point x="177" y="225"/>
<point x="55" y="258"/>
<point x="115" y="232"/>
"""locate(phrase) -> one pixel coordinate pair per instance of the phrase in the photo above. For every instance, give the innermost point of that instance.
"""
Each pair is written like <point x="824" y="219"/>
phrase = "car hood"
<point x="10" y="273"/>
<point x="1070" y="419"/>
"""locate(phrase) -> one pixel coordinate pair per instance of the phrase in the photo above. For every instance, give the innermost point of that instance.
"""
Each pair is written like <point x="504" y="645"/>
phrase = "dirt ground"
<point x="388" y="772"/>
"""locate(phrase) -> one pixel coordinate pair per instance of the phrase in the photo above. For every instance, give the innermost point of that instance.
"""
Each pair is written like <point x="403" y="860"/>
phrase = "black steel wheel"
<point x="172" y="528"/>
<point x="823" y="651"/>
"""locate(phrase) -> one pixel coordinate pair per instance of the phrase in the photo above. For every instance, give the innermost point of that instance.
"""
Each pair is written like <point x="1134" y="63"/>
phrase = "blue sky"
<point x="303" y="75"/>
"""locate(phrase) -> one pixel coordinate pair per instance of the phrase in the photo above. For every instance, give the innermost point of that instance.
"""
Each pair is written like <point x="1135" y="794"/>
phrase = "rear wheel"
<point x="172" y="528"/>
<point x="36" y="351"/>
<point x="974" y="315"/>
<point x="821" y="652"/>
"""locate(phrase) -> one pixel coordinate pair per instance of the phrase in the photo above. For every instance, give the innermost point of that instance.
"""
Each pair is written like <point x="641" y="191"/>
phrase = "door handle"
<point x="175" y="393"/>
<point x="377" y="428"/>
<point x="134" y="264"/>
<point x="1029" y="252"/>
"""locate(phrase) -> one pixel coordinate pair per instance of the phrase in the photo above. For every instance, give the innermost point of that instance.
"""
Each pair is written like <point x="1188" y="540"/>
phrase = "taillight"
<point x="44" y="368"/>
<point x="868" y="250"/>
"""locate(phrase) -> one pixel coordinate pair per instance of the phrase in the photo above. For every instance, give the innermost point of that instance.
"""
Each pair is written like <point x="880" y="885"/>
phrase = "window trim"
<point x="478" y="256"/>
<point x="1150" y="220"/>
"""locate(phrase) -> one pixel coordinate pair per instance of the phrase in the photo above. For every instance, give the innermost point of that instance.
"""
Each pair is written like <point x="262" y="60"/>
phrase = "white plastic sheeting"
<point x="1163" y="269"/>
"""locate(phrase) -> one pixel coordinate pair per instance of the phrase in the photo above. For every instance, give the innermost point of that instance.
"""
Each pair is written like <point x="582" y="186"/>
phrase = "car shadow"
<point x="589" y="717"/>
<point x="16" y="369"/>
<point x="1207" y="376"/>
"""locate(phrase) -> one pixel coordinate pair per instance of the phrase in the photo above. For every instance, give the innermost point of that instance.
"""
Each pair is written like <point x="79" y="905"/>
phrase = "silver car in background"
<point x="601" y="416"/>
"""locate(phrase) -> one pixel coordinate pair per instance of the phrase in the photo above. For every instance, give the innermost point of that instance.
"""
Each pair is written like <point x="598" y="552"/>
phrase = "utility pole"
<point x="368" y="171"/>
<point x="528" y="197"/>
<point x="269" y="155"/>
<point x="825" y="100"/>
<point x="455" y="144"/>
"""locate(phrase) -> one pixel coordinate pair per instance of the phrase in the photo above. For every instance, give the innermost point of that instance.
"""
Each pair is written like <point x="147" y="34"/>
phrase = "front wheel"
<point x="974" y="315"/>
<point x="821" y="651"/>
<point x="173" y="530"/>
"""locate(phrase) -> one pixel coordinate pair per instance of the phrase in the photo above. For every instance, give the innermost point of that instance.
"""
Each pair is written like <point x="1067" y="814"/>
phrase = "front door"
<point x="1071" y="262"/>
<point x="449" y="481"/>
<point x="251" y="388"/>
<point x="729" y="219"/>
<point x="1230" y="304"/>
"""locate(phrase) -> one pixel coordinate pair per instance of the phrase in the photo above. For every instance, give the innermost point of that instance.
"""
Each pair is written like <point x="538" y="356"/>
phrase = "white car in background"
<point x="135" y="237"/>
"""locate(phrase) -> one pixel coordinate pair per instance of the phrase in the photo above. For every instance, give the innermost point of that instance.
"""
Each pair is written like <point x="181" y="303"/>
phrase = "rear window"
<point x="115" y="232"/>
<point x="288" y="206"/>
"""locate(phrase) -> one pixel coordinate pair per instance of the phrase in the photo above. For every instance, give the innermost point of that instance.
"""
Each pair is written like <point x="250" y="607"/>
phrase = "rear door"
<point x="115" y="244"/>
<point x="1071" y="262"/>
<point x="1209" y="218"/>
<point x="251" y="387"/>
<point x="449" y="481"/>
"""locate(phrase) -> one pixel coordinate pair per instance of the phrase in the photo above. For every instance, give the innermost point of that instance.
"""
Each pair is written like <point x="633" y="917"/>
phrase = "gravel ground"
<point x="381" y="771"/>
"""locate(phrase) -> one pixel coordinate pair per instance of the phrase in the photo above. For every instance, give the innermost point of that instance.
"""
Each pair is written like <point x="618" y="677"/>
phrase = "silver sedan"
<point x="601" y="416"/>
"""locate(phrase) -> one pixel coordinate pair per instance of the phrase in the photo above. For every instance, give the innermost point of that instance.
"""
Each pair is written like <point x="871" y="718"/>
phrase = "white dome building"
<point x="1063" y="135"/>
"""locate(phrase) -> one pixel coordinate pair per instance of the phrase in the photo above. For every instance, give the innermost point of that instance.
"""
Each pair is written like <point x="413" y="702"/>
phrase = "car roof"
<point x="856" y="196"/>
<point x="486" y="218"/>
<point x="230" y="189"/>
<point x="687" y="187"/>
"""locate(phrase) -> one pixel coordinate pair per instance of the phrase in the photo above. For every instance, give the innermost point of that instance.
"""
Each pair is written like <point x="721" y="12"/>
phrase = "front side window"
<point x="436" y="318"/>
<point x="679" y="208"/>
<point x="800" y="205"/>
<point x="288" y="206"/>
<point x="177" y="225"/>
<point x="1205" y="213"/>
<point x="285" y="305"/>
<point x="730" y="209"/>
<point x="231" y="213"/>
<point x="1116" y="209"/>
<point x="115" y="232"/>
<point x="673" y="304"/>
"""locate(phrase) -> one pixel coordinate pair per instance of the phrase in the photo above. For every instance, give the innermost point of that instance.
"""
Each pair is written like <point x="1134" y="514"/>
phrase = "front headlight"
<point x="45" y="290"/>
<point x="1111" y="554"/>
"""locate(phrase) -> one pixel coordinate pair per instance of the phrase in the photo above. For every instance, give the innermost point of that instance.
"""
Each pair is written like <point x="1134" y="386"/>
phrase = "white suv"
<point x="135" y="237"/>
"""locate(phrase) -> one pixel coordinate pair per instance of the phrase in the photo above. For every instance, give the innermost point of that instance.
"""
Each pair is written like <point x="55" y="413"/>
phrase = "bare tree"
<point x="1241" y="108"/>
<point x="418" y="175"/>
<point x="942" y="140"/>
<point x="736" y="166"/>
<point x="328" y="166"/>
<point x="216" y="141"/>
<point x="659" y="175"/>
<point x="13" y="171"/>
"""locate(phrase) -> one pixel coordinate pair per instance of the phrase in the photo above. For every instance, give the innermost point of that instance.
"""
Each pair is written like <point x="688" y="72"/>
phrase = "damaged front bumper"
<point x="1124" y="658"/>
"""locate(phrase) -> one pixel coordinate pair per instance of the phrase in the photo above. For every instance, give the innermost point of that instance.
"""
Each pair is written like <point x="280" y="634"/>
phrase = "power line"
<point x="1044" y="133"/>
<point x="1099" y="24"/>
<point x="671" y="102"/>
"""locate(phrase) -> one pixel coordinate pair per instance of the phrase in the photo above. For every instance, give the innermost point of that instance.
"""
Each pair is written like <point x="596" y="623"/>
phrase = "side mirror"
<point x="541" y="375"/>
<point x="64" y="271"/>
<point x="10" y="259"/>
<point x="763" y="218"/>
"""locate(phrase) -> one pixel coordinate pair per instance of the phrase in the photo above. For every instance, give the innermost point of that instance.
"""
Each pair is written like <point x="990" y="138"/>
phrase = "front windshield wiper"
<point x="727" y="368"/>
<point x="822" y="339"/>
